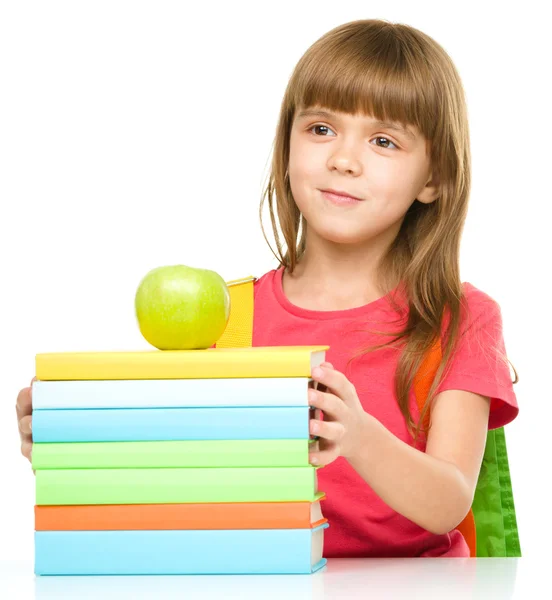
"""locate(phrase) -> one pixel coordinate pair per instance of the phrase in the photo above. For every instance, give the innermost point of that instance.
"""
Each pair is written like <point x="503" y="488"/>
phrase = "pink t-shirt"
<point x="361" y="524"/>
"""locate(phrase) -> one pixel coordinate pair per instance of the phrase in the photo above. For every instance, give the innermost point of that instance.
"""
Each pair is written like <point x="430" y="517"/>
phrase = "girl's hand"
<point x="344" y="425"/>
<point x="24" y="410"/>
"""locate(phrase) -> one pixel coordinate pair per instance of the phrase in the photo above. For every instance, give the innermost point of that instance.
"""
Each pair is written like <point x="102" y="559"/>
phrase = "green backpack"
<point x="490" y="528"/>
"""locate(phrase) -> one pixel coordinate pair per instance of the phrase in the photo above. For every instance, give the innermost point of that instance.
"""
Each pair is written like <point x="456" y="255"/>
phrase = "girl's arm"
<point x="434" y="489"/>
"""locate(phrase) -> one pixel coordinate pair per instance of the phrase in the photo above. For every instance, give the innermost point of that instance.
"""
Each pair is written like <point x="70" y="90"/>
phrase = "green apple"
<point x="182" y="308"/>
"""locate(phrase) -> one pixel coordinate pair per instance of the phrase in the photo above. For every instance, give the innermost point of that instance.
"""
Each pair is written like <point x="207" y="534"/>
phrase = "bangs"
<point x="379" y="78"/>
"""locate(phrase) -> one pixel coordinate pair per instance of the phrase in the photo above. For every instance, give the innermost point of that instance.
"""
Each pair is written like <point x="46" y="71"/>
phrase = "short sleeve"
<point x="480" y="363"/>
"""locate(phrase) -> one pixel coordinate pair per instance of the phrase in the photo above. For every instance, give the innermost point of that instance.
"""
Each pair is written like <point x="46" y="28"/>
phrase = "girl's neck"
<point x="331" y="285"/>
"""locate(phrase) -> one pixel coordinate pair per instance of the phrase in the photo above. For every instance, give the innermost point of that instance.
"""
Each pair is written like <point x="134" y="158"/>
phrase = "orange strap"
<point x="239" y="332"/>
<point x="422" y="382"/>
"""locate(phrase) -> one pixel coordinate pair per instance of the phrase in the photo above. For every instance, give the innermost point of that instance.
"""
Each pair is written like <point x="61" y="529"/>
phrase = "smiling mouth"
<point x="340" y="200"/>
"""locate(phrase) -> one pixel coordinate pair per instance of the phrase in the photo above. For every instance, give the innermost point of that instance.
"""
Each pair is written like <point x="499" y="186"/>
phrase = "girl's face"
<point x="386" y="168"/>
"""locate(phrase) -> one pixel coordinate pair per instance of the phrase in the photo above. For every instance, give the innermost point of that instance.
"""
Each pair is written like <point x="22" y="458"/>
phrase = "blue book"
<point x="183" y="552"/>
<point x="163" y="424"/>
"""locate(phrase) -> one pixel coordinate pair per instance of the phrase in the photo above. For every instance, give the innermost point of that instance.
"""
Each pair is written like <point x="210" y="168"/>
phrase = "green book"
<point x="187" y="453"/>
<point x="171" y="486"/>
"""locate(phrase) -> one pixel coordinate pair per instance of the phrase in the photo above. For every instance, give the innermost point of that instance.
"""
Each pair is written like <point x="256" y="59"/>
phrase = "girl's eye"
<point x="387" y="140"/>
<point x="322" y="126"/>
<point x="377" y="138"/>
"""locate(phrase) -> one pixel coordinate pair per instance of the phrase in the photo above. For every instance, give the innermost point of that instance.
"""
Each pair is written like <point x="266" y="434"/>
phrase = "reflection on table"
<point x="364" y="578"/>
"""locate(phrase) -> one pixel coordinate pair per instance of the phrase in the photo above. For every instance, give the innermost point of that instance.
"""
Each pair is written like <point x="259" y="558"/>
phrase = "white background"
<point x="138" y="134"/>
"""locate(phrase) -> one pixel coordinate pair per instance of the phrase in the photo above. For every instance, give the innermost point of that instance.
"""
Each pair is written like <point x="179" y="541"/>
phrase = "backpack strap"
<point x="239" y="329"/>
<point x="239" y="334"/>
<point x="422" y="382"/>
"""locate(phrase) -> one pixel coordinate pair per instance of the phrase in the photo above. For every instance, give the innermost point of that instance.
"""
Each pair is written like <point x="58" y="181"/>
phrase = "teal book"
<point x="184" y="552"/>
<point x="165" y="424"/>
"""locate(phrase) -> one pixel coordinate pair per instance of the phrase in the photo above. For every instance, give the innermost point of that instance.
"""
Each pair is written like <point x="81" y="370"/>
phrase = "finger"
<point x="324" y="457"/>
<point x="25" y="425"/>
<point x="24" y="404"/>
<point x="329" y="430"/>
<point x="33" y="380"/>
<point x="332" y="406"/>
<point x="26" y="449"/>
<point x="327" y="364"/>
<point x="336" y="382"/>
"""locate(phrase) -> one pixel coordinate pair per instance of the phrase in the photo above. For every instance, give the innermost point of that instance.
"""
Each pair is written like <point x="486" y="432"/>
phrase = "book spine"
<point x="264" y="551"/>
<point x="170" y="393"/>
<point x="188" y="453"/>
<point x="165" y="424"/>
<point x="161" y="486"/>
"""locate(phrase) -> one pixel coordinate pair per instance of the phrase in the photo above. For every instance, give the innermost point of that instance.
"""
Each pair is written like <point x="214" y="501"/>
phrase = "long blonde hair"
<point x="391" y="72"/>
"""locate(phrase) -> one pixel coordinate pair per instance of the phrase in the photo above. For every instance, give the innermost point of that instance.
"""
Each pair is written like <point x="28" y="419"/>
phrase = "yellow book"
<point x="209" y="363"/>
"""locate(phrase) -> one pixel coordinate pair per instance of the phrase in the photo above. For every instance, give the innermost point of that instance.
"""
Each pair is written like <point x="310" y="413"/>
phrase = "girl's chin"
<point x="341" y="235"/>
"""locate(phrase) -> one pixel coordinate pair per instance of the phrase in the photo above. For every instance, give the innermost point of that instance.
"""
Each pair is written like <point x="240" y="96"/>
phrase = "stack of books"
<point x="176" y="462"/>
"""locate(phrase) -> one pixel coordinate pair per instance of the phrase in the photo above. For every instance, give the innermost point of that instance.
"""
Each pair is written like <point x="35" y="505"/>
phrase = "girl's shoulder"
<point x="265" y="281"/>
<point x="478" y="305"/>
<point x="475" y="295"/>
<point x="261" y="279"/>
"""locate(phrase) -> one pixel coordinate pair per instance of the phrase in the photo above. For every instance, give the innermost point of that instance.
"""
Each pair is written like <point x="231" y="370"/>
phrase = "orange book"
<point x="237" y="515"/>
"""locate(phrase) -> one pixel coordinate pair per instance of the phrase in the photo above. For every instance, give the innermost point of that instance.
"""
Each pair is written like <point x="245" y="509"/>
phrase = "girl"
<point x="370" y="183"/>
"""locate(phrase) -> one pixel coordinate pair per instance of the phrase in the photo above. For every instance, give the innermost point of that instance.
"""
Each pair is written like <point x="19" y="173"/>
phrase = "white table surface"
<point x="343" y="579"/>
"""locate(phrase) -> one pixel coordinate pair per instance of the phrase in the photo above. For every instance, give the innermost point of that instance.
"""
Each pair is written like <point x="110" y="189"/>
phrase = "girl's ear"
<point x="431" y="191"/>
